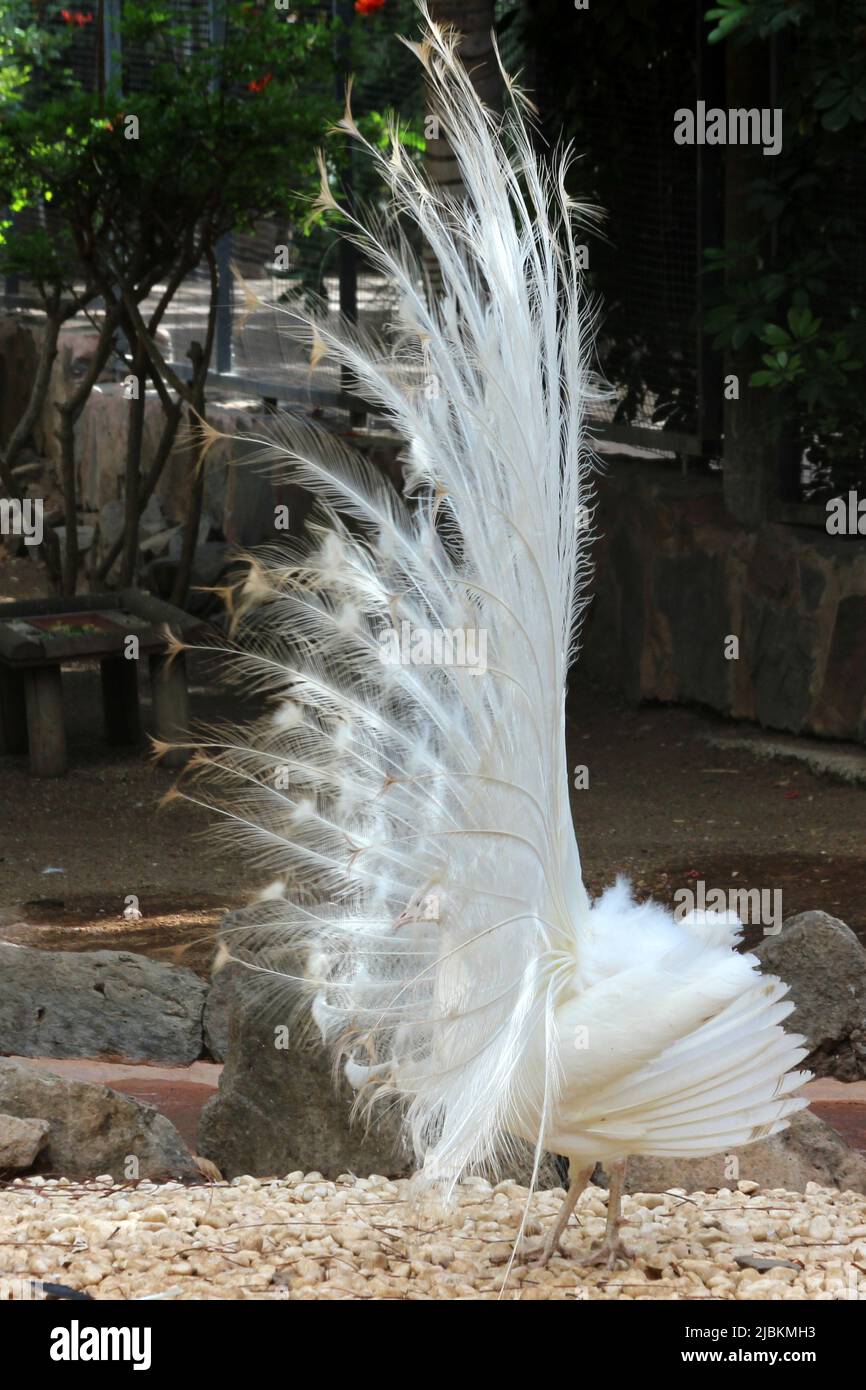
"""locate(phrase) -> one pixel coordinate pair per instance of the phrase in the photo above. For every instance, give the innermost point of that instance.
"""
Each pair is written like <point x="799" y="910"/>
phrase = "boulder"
<point x="85" y="536"/>
<point x="278" y="1108"/>
<point x="159" y="543"/>
<point x="825" y="966"/>
<point x="98" y="1004"/>
<point x="92" y="1129"/>
<point x="20" y="1142"/>
<point x="152" y="526"/>
<point x="807" y="1151"/>
<point x="101" y="434"/>
<point x="217" y="1012"/>
<point x="241" y="1100"/>
<point x="112" y="519"/>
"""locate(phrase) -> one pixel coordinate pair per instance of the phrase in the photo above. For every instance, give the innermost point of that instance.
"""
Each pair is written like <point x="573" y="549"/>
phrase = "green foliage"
<point x="226" y="136"/>
<point x="22" y="45"/>
<point x="794" y="295"/>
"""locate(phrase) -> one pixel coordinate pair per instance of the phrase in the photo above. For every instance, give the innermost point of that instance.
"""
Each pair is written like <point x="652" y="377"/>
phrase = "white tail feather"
<point x="417" y="810"/>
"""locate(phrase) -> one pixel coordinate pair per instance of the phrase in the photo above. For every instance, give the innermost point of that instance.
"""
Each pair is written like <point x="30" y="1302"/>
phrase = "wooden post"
<point x="120" y="699"/>
<point x="46" y="734"/>
<point x="13" y="712"/>
<point x="170" y="704"/>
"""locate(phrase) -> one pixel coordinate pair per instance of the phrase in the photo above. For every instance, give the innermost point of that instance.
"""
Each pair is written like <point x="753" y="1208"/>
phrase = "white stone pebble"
<point x="307" y="1237"/>
<point x="821" y="1228"/>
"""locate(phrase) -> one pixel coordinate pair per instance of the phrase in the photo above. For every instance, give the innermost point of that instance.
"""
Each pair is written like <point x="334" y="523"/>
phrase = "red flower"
<point x="368" y="6"/>
<point x="78" y="17"/>
<point x="258" y="84"/>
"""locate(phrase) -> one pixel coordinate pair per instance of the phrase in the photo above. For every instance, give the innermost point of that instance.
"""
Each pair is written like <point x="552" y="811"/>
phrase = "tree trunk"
<point x="134" y="437"/>
<point x="474" y="21"/>
<point x="196" y="496"/>
<point x="69" y="412"/>
<point x="23" y="429"/>
<point x="142" y="364"/>
<point x="172" y="411"/>
<point x="200" y="357"/>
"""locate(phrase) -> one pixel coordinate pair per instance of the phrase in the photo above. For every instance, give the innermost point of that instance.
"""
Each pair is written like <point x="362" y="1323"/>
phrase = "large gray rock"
<point x="825" y="965"/>
<point x="807" y="1151"/>
<point x="93" y="1129"/>
<point x="278" y="1109"/>
<point x="217" y="1011"/>
<point x="98" y="1004"/>
<point x="20" y="1142"/>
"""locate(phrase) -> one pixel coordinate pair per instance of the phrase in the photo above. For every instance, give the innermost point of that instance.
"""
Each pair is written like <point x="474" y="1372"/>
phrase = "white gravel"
<point x="301" y="1237"/>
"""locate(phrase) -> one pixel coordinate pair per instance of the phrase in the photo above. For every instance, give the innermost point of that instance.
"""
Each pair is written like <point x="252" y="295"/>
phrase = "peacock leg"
<point x="612" y="1248"/>
<point x="578" y="1179"/>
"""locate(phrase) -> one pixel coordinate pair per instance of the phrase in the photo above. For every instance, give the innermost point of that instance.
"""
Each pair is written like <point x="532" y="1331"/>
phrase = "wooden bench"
<point x="38" y="636"/>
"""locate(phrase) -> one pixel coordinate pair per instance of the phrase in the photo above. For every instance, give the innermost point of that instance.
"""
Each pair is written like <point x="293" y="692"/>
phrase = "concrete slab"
<point x="844" y="761"/>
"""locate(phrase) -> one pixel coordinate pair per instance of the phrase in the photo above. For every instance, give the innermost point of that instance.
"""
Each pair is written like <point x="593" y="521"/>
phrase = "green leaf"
<point x="775" y="335"/>
<point x="838" y="118"/>
<point x="832" y="93"/>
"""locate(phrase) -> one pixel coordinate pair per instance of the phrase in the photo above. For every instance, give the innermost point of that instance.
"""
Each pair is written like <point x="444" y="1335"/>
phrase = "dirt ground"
<point x="666" y="808"/>
<point x="662" y="806"/>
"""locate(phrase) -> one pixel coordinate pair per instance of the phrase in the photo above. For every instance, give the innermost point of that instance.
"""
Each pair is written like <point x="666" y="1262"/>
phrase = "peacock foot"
<point x="541" y="1255"/>
<point x="535" y="1254"/>
<point x="608" y="1253"/>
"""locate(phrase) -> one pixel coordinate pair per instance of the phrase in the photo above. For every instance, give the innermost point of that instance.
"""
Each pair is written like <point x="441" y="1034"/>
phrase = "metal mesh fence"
<point x="614" y="99"/>
<point x="262" y="344"/>
<point x="825" y="461"/>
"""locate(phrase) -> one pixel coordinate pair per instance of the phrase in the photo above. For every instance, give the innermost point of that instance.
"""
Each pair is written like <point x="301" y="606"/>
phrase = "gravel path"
<point x="301" y="1237"/>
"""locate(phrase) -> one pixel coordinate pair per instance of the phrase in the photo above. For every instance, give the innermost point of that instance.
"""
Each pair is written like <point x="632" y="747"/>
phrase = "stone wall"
<point x="676" y="575"/>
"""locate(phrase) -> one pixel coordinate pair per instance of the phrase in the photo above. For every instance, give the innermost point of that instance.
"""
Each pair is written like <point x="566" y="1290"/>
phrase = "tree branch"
<point x="201" y="362"/>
